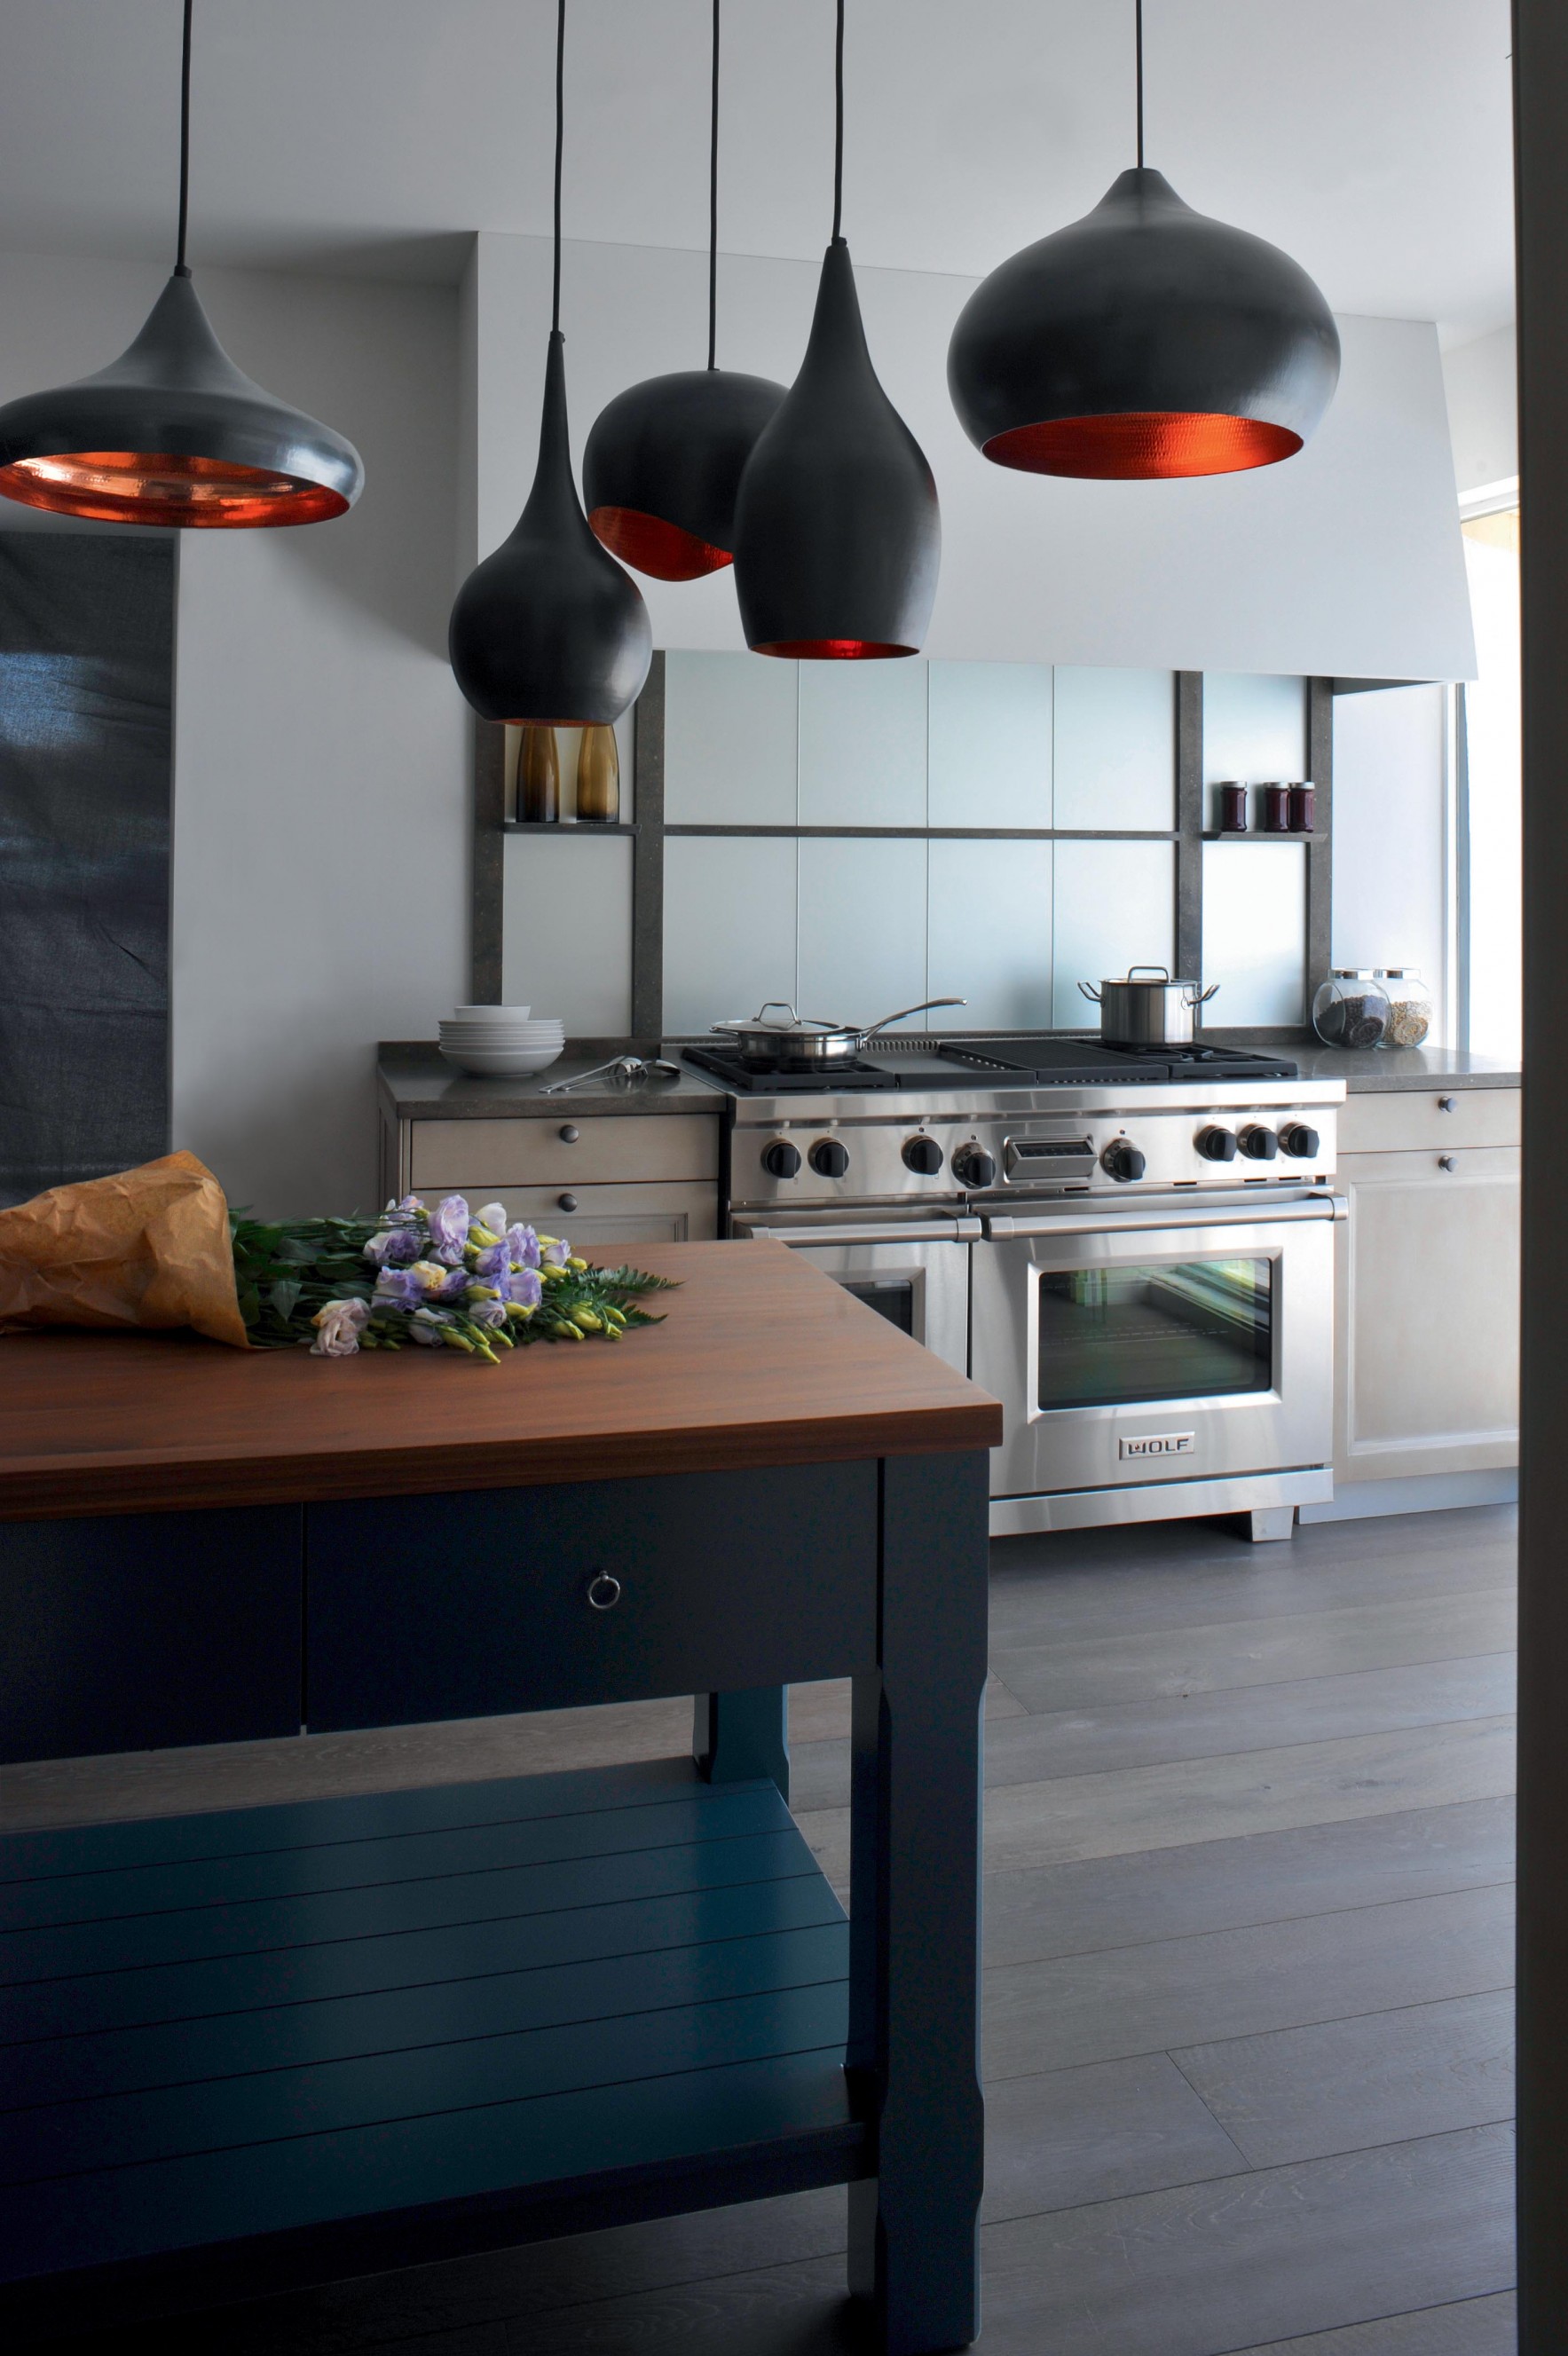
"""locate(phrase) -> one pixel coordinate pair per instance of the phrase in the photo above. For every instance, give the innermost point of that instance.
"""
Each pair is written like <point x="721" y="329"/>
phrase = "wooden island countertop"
<point x="762" y="1360"/>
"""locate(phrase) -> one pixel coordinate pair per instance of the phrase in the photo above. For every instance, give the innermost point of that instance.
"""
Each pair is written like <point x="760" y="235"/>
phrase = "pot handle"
<point x="1092" y="991"/>
<point x="1164" y="971"/>
<point x="1201" y="996"/>
<point x="903" y="1011"/>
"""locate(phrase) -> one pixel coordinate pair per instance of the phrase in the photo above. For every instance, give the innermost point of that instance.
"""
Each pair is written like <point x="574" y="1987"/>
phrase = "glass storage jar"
<point x="1351" y="1009"/>
<point x="1410" y="1006"/>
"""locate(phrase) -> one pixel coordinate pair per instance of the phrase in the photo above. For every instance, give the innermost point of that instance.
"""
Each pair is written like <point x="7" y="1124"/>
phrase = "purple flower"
<point x="556" y="1255"/>
<point x="448" y="1229"/>
<point x="488" y="1312"/>
<point x="398" y="1288"/>
<point x="394" y="1247"/>
<point x="425" y="1325"/>
<point x="409" y="1202"/>
<point x="493" y="1261"/>
<point x="522" y="1288"/>
<point x="522" y="1246"/>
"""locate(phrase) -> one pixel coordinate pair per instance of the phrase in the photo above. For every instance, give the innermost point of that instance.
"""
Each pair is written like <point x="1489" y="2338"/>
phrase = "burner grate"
<point x="740" y="1076"/>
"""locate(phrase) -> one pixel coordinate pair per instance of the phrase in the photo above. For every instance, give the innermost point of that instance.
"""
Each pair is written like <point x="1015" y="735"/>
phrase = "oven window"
<point x="1121" y="1336"/>
<point x="892" y="1297"/>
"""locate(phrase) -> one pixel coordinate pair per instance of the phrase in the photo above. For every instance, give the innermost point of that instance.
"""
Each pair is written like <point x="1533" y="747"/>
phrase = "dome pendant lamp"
<point x="1143" y="342"/>
<point x="665" y="459"/>
<point x="838" y="534"/>
<point x="549" y="632"/>
<point x="171" y="432"/>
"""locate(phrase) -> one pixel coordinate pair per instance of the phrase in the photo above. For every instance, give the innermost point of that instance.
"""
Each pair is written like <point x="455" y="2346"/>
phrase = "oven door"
<point x="1157" y="1343"/>
<point x="914" y="1272"/>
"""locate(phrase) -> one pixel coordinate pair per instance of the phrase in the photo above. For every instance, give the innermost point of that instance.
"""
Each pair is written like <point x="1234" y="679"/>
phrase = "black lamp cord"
<point x="1138" y="41"/>
<point x="180" y="268"/>
<point x="714" y="205"/>
<point x="838" y="126"/>
<point x="560" y="141"/>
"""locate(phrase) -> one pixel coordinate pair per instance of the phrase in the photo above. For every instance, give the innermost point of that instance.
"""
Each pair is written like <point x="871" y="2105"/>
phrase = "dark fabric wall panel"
<point x="86" y="726"/>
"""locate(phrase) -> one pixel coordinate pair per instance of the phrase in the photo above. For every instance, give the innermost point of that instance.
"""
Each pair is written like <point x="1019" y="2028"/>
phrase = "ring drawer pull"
<point x="604" y="1593"/>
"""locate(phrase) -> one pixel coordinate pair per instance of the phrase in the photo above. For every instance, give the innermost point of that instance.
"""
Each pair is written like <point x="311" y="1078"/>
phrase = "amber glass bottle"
<point x="538" y="777"/>
<point x="599" y="778"/>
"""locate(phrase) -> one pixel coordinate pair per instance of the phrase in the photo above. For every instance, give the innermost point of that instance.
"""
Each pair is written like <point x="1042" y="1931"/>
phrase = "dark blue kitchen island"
<point x="247" y="2049"/>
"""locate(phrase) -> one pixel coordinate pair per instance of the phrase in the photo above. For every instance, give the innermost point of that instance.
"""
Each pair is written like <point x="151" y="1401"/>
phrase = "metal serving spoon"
<point x="620" y="1067"/>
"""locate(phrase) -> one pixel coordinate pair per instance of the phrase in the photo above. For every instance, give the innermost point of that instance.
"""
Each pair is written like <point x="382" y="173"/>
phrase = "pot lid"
<point x="797" y="1026"/>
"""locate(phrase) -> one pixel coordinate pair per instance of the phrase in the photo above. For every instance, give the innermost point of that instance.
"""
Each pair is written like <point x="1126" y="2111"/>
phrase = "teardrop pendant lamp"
<point x="1143" y="342"/>
<point x="549" y="632"/>
<point x="171" y="432"/>
<point x="663" y="462"/>
<point x="838" y="534"/>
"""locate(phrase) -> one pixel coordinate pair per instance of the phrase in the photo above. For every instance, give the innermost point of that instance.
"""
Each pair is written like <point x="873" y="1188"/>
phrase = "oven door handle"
<point x="1148" y="1220"/>
<point x="868" y="1231"/>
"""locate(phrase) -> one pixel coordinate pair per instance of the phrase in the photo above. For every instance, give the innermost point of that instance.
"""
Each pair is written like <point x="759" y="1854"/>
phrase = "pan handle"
<point x="1092" y="991"/>
<point x="924" y="1005"/>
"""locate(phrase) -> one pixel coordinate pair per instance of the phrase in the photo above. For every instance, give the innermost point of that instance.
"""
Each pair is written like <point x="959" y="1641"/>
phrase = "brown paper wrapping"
<point x="148" y="1249"/>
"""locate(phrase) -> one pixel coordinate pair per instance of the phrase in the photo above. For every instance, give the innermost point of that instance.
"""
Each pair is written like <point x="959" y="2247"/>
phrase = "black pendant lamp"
<point x="665" y="459"/>
<point x="171" y="432"/>
<point x="838" y="534"/>
<point x="549" y="632"/>
<point x="1143" y="342"/>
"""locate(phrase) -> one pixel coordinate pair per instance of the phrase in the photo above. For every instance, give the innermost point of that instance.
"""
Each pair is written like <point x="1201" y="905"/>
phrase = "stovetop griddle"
<point x="1037" y="1061"/>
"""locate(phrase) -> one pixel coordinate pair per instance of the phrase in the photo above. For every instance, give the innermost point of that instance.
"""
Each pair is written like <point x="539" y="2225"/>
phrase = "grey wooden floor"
<point x="1249" y="1851"/>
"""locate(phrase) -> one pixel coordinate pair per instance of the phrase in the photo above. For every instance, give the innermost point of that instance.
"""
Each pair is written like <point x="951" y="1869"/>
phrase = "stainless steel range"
<point x="1132" y="1251"/>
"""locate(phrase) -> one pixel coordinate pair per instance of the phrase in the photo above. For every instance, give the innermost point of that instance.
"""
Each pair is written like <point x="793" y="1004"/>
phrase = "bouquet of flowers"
<point x="442" y="1278"/>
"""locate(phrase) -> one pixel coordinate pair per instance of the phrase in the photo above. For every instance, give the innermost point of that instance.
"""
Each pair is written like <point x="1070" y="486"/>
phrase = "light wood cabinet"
<point x="1427" y="1361"/>
<point x="601" y="1178"/>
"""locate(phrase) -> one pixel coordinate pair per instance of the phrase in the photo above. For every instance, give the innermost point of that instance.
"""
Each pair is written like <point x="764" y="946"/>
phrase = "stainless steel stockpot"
<point x="1145" y="1008"/>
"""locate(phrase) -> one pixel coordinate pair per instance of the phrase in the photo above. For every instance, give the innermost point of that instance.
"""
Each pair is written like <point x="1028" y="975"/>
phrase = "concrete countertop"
<point x="1380" y="1071"/>
<point x="416" y="1083"/>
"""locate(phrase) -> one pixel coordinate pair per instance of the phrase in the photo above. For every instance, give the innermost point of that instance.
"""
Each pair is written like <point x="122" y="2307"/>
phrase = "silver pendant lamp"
<point x="664" y="460"/>
<point x="172" y="432"/>
<point x="838" y="534"/>
<point x="549" y="632"/>
<point x="1143" y="342"/>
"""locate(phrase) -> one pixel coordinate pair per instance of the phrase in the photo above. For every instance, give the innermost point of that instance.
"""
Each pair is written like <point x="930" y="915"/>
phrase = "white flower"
<point x="339" y="1325"/>
<point x="492" y="1216"/>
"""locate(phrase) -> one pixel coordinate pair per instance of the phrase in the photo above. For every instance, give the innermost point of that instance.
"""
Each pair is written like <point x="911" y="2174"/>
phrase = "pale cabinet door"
<point x="613" y="1215"/>
<point x="1427" y="1362"/>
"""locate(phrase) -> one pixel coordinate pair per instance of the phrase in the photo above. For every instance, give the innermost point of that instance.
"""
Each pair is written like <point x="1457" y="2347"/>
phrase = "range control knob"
<point x="1258" y="1144"/>
<point x="974" y="1168"/>
<point x="1122" y="1161"/>
<point x="829" y="1159"/>
<point x="923" y="1155"/>
<point x="1216" y="1144"/>
<point x="1299" y="1142"/>
<point x="781" y="1161"/>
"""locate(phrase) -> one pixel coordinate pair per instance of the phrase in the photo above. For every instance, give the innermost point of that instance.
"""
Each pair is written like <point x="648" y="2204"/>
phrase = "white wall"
<point x="1483" y="411"/>
<point x="1345" y="560"/>
<point x="1391" y="887"/>
<point x="322" y="838"/>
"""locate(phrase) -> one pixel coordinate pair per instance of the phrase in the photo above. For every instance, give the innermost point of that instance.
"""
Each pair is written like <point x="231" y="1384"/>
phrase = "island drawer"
<point x="481" y="1601"/>
<point x="1413" y="1120"/>
<point x="542" y="1153"/>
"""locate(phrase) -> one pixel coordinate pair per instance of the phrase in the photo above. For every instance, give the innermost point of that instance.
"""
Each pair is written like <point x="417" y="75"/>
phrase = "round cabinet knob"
<point x="782" y="1159"/>
<point x="1258" y="1144"/>
<point x="1216" y="1144"/>
<point x="566" y="1202"/>
<point x="1122" y="1162"/>
<point x="569" y="1132"/>
<point x="1447" y="1104"/>
<point x="829" y="1159"/>
<point x="1299" y="1142"/>
<point x="605" y="1591"/>
<point x="923" y="1155"/>
<point x="974" y="1167"/>
<point x="1446" y="1161"/>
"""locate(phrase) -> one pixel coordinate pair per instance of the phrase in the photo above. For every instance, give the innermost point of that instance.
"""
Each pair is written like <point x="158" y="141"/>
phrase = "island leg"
<point x="737" y="1736"/>
<point x="914" y="1911"/>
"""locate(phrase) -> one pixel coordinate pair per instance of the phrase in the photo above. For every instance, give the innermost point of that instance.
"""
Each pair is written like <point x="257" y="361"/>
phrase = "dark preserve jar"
<point x="1232" y="809"/>
<point x="1276" y="808"/>
<point x="1303" y="802"/>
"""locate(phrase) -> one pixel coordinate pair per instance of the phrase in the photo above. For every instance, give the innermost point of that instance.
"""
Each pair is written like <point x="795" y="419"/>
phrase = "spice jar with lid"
<point x="1351" y="1009"/>
<point x="1410" y="1006"/>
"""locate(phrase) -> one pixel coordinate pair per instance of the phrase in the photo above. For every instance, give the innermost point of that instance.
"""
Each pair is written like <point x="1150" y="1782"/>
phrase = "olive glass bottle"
<point x="538" y="777"/>
<point x="598" y="777"/>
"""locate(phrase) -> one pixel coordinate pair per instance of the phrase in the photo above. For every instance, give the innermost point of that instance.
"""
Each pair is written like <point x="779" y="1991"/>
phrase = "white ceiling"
<point x="1371" y="137"/>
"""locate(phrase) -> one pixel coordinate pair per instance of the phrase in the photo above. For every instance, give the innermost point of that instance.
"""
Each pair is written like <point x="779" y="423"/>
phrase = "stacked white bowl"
<point x="501" y="1041"/>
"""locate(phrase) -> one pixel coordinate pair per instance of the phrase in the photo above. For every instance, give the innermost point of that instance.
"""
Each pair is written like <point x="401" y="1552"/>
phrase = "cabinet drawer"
<point x="536" y="1152"/>
<point x="603" y="1215"/>
<point x="478" y="1602"/>
<point x="1407" y="1121"/>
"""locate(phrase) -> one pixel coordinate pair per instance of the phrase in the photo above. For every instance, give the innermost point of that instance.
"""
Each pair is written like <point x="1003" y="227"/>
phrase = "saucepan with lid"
<point x="1145" y="1008"/>
<point x="777" y="1039"/>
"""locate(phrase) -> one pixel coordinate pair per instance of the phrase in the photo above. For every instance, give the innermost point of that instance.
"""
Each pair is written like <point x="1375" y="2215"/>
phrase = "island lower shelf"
<point x="281" y="2044"/>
